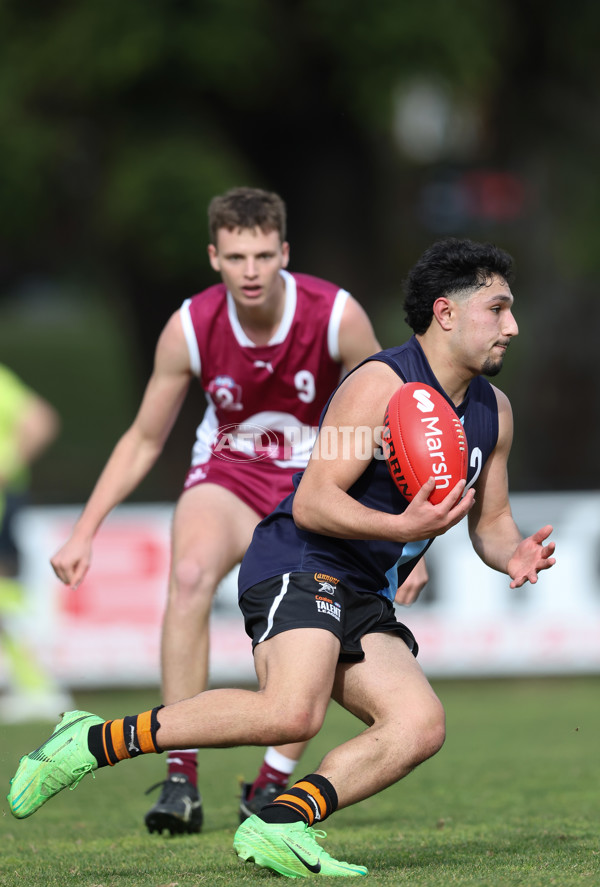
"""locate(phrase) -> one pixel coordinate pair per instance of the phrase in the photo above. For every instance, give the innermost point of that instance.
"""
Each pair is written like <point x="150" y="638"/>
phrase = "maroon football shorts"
<point x="260" y="484"/>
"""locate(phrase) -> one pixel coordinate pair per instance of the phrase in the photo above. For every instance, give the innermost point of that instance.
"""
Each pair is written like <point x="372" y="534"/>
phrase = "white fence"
<point x="468" y="621"/>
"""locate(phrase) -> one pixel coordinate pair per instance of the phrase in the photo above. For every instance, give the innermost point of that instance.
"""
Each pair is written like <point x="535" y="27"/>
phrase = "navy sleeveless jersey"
<point x="380" y="567"/>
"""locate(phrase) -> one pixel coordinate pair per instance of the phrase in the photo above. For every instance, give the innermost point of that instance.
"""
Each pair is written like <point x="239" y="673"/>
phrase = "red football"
<point x="422" y="438"/>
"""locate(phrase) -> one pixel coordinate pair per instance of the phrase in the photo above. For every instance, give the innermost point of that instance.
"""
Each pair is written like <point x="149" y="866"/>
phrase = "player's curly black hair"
<point x="448" y="267"/>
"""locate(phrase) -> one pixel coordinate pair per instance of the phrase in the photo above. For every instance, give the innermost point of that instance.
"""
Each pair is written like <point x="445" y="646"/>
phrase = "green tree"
<point x="119" y="121"/>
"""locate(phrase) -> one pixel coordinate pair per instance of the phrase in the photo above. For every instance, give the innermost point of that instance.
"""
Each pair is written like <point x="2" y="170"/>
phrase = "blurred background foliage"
<point x="384" y="126"/>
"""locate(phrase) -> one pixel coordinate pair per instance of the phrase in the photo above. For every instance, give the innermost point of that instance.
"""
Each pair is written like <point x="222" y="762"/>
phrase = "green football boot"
<point x="60" y="762"/>
<point x="291" y="849"/>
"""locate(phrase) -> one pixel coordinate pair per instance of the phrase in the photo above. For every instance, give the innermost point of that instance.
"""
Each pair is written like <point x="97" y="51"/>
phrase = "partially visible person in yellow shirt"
<point x="28" y="425"/>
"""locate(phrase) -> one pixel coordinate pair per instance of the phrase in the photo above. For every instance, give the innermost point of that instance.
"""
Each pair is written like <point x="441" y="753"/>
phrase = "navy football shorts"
<point x="316" y="600"/>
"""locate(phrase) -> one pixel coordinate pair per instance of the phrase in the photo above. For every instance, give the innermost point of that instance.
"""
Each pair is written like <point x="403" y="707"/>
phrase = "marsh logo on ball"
<point x="422" y="438"/>
<point x="423" y="399"/>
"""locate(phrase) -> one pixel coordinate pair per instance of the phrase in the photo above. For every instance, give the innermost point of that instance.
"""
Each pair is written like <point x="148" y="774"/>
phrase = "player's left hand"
<point x="531" y="556"/>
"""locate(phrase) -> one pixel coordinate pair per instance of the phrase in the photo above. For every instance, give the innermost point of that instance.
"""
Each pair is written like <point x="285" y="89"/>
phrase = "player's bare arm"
<point x="322" y="503"/>
<point x="356" y="336"/>
<point x="492" y="529"/>
<point x="494" y="534"/>
<point x="38" y="426"/>
<point x="135" y="453"/>
<point x="413" y="585"/>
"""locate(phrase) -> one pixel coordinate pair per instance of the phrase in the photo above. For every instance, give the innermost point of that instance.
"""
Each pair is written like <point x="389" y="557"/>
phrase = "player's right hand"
<point x="424" y="520"/>
<point x="72" y="561"/>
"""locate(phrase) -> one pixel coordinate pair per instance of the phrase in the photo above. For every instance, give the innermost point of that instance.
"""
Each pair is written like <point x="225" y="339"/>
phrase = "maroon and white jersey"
<point x="264" y="401"/>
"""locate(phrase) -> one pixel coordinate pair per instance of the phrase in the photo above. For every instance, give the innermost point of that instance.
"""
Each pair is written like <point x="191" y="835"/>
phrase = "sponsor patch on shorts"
<point x="323" y="577"/>
<point x="328" y="607"/>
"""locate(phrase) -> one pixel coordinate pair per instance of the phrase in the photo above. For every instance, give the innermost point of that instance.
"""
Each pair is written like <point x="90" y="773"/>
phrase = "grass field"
<point x="512" y="799"/>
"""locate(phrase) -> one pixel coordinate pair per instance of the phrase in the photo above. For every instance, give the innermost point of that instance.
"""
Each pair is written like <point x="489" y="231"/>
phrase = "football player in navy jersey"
<point x="317" y="582"/>
<point x="268" y="347"/>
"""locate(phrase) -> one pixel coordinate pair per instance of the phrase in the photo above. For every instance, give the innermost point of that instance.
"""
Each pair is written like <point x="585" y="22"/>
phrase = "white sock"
<point x="277" y="761"/>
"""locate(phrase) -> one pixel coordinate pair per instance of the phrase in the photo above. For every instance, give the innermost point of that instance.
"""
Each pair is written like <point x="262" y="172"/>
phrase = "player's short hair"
<point x="247" y="208"/>
<point x="450" y="267"/>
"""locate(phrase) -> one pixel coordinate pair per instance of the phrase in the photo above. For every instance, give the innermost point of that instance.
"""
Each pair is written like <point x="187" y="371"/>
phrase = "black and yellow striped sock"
<point x="311" y="800"/>
<point x="128" y="737"/>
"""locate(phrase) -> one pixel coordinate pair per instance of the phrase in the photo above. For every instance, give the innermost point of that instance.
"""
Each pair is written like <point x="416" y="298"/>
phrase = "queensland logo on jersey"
<point x="225" y="393"/>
